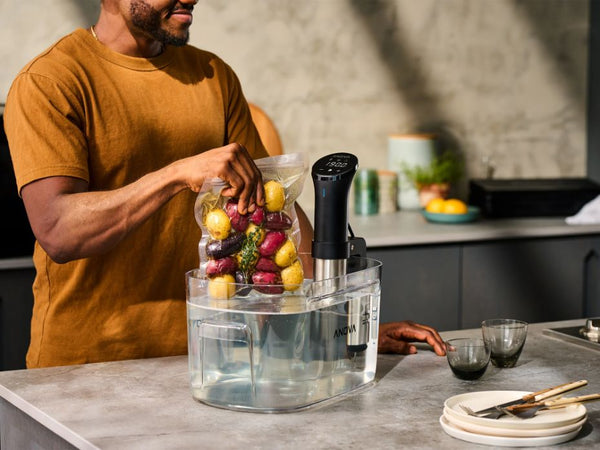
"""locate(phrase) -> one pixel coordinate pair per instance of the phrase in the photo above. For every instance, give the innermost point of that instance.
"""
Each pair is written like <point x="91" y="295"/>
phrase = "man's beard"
<point x="146" y="18"/>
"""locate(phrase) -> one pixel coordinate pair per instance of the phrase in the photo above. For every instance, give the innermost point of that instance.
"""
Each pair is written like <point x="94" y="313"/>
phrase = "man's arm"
<point x="71" y="222"/>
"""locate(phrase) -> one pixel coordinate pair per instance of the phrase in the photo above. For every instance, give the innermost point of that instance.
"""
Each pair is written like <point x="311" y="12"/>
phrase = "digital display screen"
<point x="333" y="166"/>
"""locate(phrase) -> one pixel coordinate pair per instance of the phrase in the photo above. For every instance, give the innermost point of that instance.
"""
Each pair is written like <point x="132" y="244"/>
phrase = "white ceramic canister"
<point x="409" y="150"/>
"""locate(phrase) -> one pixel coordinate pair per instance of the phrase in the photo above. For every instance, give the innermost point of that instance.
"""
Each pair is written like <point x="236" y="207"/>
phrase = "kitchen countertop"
<point x="147" y="404"/>
<point x="404" y="228"/>
<point x="410" y="228"/>
<point x="22" y="262"/>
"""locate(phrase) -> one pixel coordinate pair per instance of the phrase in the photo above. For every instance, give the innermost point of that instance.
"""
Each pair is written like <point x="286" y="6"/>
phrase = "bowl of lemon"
<point x="450" y="210"/>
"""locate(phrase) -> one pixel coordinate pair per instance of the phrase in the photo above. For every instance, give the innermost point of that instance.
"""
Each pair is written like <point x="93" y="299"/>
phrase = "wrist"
<point x="177" y="177"/>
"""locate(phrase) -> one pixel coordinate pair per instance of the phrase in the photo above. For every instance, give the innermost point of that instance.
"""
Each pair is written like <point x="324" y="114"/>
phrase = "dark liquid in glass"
<point x="468" y="372"/>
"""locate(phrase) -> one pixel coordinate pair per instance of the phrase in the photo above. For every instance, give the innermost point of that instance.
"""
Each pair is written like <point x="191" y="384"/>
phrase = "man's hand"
<point x="232" y="164"/>
<point x="395" y="337"/>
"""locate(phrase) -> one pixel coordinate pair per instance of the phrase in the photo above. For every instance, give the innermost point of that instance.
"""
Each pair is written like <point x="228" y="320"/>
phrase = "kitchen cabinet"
<point x="449" y="277"/>
<point x="420" y="284"/>
<point x="16" y="303"/>
<point x="533" y="280"/>
<point x="459" y="285"/>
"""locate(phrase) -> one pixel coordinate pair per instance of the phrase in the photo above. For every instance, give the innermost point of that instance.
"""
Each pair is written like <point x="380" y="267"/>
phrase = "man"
<point x="112" y="131"/>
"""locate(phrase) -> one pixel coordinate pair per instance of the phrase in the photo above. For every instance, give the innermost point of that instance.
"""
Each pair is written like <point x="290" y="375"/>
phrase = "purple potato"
<point x="228" y="246"/>
<point x="278" y="221"/>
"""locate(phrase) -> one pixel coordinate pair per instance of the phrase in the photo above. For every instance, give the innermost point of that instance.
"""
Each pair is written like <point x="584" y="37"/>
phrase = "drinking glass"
<point x="467" y="357"/>
<point x="505" y="338"/>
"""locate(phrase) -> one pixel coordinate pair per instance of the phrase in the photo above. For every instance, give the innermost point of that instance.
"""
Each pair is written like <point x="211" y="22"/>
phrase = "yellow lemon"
<point x="435" y="205"/>
<point x="274" y="196"/>
<point x="454" y="206"/>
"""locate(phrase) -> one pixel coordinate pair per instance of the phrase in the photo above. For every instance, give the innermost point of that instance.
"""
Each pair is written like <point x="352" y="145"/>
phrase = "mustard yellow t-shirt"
<point x="82" y="110"/>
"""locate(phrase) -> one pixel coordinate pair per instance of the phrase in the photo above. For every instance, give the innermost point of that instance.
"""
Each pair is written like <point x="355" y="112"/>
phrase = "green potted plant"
<point x="435" y="180"/>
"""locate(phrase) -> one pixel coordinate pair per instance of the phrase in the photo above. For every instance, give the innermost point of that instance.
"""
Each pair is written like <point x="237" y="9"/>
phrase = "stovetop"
<point x="577" y="335"/>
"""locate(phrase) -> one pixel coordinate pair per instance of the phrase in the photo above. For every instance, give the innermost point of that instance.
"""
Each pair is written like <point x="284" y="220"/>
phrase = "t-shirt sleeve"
<point x="240" y="127"/>
<point x="44" y="126"/>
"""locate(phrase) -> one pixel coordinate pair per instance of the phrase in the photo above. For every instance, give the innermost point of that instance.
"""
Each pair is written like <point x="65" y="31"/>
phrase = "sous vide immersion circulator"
<point x="332" y="177"/>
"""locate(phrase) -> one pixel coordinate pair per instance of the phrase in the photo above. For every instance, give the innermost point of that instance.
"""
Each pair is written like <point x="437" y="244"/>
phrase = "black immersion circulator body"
<point x="332" y="177"/>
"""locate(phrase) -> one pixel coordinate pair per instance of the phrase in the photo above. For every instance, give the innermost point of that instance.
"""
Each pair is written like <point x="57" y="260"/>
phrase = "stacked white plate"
<point x="547" y="427"/>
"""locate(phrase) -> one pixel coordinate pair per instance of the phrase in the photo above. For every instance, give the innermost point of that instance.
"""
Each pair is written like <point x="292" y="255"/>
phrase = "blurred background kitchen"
<point x="503" y="82"/>
<point x="507" y="84"/>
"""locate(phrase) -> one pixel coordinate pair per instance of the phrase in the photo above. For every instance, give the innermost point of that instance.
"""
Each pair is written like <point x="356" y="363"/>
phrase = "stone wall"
<point x="497" y="80"/>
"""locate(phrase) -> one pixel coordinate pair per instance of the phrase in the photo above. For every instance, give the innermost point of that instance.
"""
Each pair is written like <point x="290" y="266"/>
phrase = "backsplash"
<point x="501" y="81"/>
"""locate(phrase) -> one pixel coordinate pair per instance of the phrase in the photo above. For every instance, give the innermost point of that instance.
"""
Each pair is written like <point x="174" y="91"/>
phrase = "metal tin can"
<point x="366" y="192"/>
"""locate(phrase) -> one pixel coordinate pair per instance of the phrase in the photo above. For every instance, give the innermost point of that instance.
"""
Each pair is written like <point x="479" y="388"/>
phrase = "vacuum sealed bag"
<point x="259" y="248"/>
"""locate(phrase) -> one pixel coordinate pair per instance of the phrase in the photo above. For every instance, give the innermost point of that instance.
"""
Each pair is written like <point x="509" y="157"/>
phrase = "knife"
<point x="528" y="410"/>
<point x="535" y="396"/>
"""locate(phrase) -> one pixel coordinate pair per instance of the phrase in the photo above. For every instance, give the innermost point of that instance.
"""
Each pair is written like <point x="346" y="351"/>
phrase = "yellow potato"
<point x="221" y="287"/>
<point x="218" y="224"/>
<point x="256" y="233"/>
<point x="292" y="276"/>
<point x="274" y="196"/>
<point x="286" y="254"/>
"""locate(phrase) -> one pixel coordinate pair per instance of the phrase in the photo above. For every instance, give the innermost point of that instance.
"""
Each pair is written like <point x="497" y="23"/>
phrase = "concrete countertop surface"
<point x="21" y="262"/>
<point x="147" y="404"/>
<point x="411" y="228"/>
<point x="405" y="228"/>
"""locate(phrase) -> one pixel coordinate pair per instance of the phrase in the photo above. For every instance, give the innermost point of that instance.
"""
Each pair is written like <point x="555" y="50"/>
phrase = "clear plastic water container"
<point x="264" y="352"/>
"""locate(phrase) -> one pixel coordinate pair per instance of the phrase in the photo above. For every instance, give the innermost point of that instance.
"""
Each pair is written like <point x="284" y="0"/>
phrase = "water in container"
<point x="283" y="352"/>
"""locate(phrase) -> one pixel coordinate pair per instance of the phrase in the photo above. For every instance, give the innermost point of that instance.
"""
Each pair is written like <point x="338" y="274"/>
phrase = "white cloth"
<point x="589" y="214"/>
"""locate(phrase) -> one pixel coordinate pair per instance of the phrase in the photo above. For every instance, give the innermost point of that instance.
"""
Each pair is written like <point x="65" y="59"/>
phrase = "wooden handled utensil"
<point x="496" y="411"/>
<point x="528" y="410"/>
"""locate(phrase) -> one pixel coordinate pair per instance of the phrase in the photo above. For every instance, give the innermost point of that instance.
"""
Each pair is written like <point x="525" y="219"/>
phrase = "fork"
<point x="527" y="411"/>
<point x="489" y="415"/>
<point x="494" y="412"/>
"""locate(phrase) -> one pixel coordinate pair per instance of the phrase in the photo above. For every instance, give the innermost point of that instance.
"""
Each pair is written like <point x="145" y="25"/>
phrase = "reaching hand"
<point x="232" y="164"/>
<point x="395" y="337"/>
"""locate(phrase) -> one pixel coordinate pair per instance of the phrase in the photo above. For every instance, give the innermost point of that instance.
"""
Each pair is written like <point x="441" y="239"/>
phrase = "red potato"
<point x="258" y="216"/>
<point x="239" y="222"/>
<point x="267" y="282"/>
<point x="273" y="240"/>
<point x="278" y="221"/>
<point x="266" y="265"/>
<point x="222" y="266"/>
